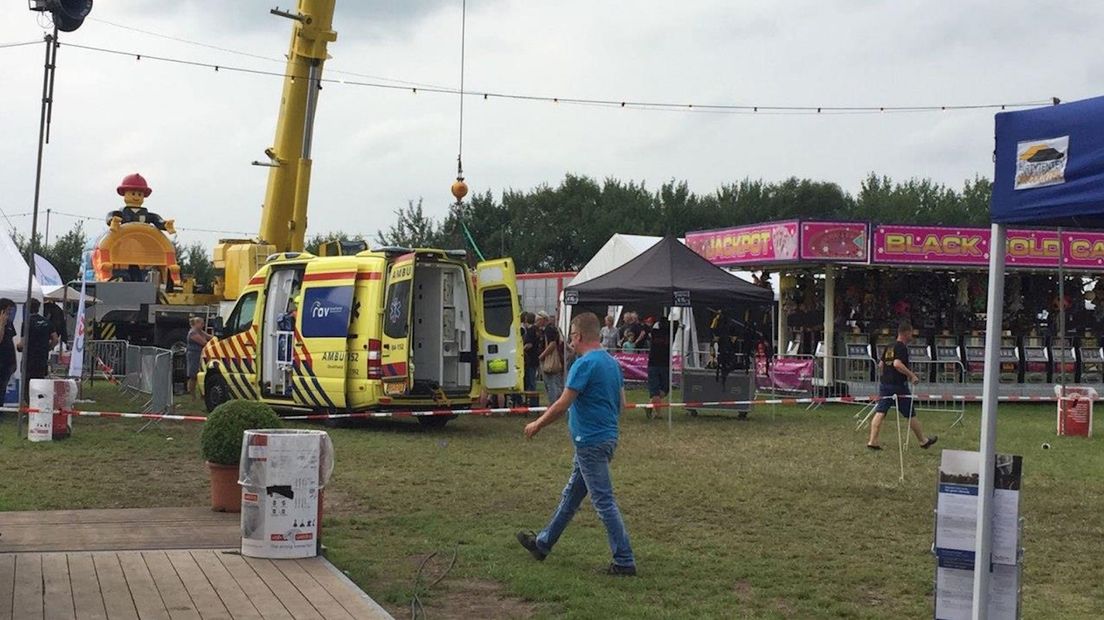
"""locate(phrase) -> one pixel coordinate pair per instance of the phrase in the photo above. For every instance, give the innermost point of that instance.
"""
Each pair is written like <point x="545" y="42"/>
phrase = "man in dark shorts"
<point x="894" y="389"/>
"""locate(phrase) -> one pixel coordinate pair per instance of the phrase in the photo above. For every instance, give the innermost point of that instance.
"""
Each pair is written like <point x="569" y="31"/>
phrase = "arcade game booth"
<point x="844" y="286"/>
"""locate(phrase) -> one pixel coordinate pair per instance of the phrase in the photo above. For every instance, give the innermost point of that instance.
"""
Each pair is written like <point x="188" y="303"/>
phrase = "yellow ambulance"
<point x="394" y="328"/>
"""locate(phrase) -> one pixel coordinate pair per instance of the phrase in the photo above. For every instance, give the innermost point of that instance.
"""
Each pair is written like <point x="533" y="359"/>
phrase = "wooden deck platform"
<point x="119" y="530"/>
<point x="60" y="564"/>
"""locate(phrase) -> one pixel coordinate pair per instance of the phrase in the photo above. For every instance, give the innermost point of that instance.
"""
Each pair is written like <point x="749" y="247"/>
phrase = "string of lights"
<point x="7" y="45"/>
<point x="251" y="54"/>
<point x="612" y="103"/>
<point x="187" y="229"/>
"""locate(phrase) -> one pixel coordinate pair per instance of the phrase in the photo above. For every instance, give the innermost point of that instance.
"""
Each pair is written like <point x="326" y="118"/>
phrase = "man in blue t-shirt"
<point x="595" y="397"/>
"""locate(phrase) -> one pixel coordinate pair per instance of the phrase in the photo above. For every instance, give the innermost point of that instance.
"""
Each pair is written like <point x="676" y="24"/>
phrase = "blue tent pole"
<point x="990" y="388"/>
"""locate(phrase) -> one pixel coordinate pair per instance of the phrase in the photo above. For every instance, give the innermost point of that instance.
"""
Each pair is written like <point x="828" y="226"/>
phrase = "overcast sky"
<point x="192" y="132"/>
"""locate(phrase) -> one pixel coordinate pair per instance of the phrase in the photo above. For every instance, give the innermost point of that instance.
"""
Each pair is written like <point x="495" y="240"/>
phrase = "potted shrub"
<point x="222" y="444"/>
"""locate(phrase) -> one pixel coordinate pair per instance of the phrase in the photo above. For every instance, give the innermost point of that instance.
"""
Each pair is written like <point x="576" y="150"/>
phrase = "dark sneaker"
<point x="529" y="541"/>
<point x="621" y="571"/>
<point x="930" y="442"/>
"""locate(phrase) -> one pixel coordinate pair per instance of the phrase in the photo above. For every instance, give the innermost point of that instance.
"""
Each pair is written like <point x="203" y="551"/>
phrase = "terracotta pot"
<point x="225" y="492"/>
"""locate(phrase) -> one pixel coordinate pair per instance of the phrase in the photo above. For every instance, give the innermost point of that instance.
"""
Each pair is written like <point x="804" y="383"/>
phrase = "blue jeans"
<point x="529" y="384"/>
<point x="553" y="387"/>
<point x="591" y="473"/>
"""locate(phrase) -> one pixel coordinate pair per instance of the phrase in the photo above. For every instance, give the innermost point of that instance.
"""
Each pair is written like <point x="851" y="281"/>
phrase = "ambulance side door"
<point x="498" y="323"/>
<point x="395" y="369"/>
<point x="324" y="319"/>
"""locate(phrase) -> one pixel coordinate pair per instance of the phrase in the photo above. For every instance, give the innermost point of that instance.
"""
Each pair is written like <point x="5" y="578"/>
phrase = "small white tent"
<point x="619" y="250"/>
<point x="13" y="278"/>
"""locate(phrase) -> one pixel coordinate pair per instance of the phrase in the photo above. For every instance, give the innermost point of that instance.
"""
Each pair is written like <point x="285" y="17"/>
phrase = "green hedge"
<point x="222" y="433"/>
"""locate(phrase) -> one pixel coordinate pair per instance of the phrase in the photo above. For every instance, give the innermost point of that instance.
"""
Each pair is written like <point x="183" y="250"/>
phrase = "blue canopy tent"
<point x="1049" y="172"/>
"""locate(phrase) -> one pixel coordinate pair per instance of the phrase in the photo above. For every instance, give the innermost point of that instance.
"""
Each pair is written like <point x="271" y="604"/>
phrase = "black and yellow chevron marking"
<point x="107" y="331"/>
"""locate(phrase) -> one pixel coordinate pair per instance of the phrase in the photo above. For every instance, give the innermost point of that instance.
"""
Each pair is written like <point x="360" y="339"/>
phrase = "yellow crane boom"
<point x="284" y="213"/>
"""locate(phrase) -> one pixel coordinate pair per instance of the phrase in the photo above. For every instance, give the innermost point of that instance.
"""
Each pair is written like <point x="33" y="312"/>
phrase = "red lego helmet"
<point x="134" y="183"/>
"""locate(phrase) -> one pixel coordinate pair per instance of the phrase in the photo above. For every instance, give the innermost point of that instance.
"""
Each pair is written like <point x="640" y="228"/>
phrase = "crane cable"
<point x="460" y="146"/>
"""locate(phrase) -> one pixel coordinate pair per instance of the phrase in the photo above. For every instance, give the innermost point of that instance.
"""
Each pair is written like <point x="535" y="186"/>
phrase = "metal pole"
<point x="783" y="320"/>
<point x="990" y="388"/>
<point x="1061" y="313"/>
<point x="829" y="325"/>
<point x="47" y="82"/>
<point x="46" y="239"/>
<point x="671" y="369"/>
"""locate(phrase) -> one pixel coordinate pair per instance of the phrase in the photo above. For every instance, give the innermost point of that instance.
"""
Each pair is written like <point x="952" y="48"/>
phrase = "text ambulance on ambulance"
<point x="391" y="328"/>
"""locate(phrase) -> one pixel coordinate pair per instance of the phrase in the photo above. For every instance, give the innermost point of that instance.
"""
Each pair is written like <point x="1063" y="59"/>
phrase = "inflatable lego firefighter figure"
<point x="134" y="191"/>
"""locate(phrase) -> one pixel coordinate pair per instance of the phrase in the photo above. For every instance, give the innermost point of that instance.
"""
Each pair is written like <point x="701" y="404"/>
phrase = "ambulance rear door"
<point x="395" y="370"/>
<point x="498" y="322"/>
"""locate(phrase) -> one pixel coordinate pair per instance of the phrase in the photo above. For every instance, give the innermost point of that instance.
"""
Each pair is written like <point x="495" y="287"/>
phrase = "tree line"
<point x="560" y="228"/>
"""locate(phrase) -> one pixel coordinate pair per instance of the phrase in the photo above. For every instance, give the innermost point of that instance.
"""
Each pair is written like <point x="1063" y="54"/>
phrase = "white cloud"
<point x="193" y="132"/>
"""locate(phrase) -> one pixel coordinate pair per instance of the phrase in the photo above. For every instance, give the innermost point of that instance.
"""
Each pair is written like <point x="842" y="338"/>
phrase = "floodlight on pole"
<point x="68" y="14"/>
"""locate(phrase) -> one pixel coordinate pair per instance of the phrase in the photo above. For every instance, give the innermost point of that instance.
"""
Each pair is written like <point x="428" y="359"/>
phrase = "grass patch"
<point x="784" y="515"/>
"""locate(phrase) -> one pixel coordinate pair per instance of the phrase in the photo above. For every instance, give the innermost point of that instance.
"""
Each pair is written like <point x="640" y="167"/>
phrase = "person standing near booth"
<point x="7" y="345"/>
<point x="39" y="339"/>
<point x="197" y="339"/>
<point x="659" y="365"/>
<point x="894" y="389"/>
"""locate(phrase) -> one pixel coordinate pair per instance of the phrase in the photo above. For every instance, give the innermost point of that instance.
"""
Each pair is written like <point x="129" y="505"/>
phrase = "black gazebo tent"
<point x="671" y="273"/>
<point x="674" y="275"/>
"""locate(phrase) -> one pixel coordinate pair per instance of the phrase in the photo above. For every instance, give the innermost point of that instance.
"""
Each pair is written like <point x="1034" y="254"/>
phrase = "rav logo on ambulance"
<point x="328" y="311"/>
<point x="1041" y="162"/>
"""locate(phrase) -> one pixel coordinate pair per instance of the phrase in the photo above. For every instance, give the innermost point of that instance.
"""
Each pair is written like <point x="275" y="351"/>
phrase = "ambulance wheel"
<point x="437" y="421"/>
<point x="216" y="392"/>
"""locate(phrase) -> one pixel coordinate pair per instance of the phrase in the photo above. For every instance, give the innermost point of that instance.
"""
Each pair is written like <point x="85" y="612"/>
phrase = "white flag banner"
<point x="76" y="355"/>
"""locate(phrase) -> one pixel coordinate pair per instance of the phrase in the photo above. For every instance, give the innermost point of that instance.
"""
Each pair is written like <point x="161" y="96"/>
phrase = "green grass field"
<point x="784" y="515"/>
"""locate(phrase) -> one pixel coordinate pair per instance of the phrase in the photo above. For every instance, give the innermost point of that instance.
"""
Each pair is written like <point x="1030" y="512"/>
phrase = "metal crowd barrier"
<point x="947" y="373"/>
<point x="105" y="358"/>
<point x="142" y="372"/>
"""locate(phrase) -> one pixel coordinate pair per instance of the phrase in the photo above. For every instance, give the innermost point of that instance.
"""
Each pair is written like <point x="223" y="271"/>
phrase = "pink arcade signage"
<point x="931" y="245"/>
<point x="783" y="242"/>
<point x="760" y="243"/>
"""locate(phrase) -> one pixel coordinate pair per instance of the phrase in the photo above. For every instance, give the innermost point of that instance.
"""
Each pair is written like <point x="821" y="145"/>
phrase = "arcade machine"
<point x="1063" y="348"/>
<point x="920" y="358"/>
<point x="1036" y="357"/>
<point x="973" y="353"/>
<point x="1091" y="359"/>
<point x="948" y="356"/>
<point x="860" y="362"/>
<point x="1009" y="359"/>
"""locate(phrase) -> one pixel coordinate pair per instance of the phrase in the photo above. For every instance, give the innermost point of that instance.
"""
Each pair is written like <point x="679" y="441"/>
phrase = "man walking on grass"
<point x="594" y="396"/>
<point x="894" y="390"/>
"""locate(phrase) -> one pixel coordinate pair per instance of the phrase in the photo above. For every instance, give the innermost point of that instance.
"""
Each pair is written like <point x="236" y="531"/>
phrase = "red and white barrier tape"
<point x="111" y="414"/>
<point x="492" y="411"/>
